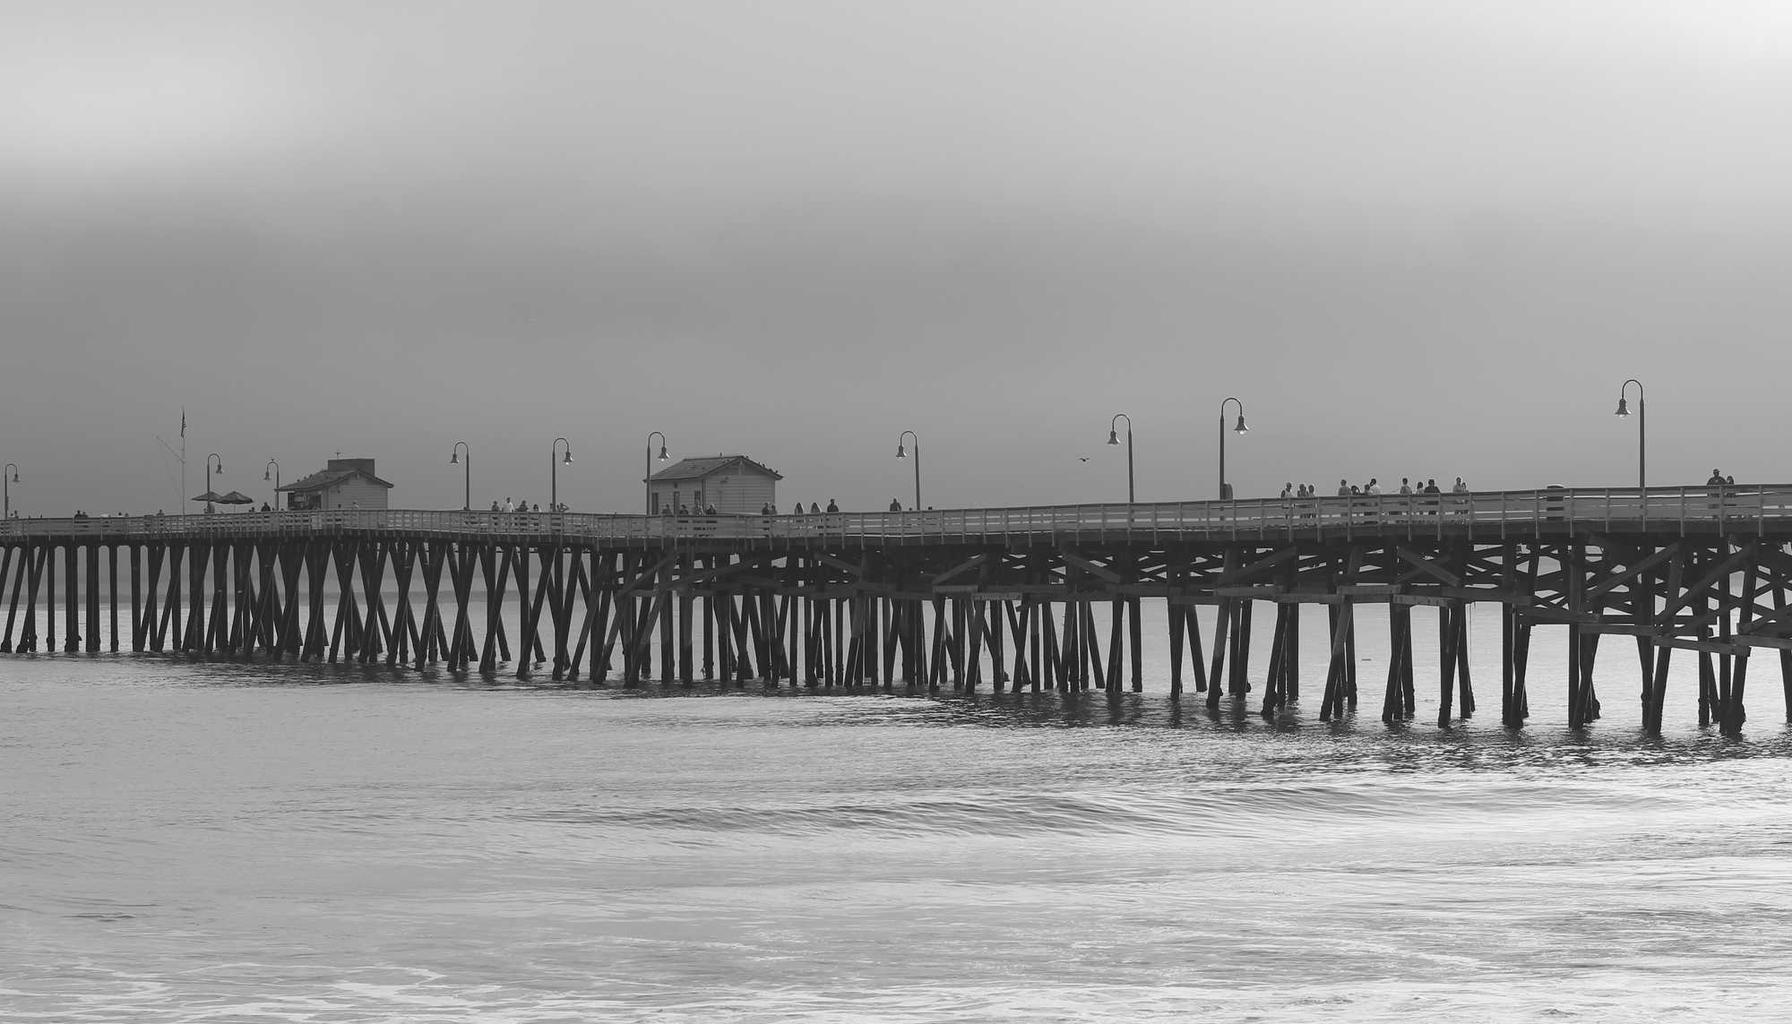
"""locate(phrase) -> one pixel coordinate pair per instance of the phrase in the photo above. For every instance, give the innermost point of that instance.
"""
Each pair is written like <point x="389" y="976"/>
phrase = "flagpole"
<point x="182" y="507"/>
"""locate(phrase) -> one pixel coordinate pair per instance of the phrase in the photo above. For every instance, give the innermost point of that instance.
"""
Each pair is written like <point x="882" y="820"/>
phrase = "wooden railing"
<point x="1484" y="515"/>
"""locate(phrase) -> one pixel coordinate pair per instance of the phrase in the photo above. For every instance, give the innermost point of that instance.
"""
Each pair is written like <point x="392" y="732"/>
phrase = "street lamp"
<point x="553" y="471"/>
<point x="466" y="502"/>
<point x="1642" y="420"/>
<point x="1225" y="489"/>
<point x="647" y="471"/>
<point x="6" y="481"/>
<point x="1114" y="438"/>
<point x="208" y="477"/>
<point x="902" y="453"/>
<point x="275" y="466"/>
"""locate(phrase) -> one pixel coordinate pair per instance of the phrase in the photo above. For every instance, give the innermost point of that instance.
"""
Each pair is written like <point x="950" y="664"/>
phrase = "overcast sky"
<point x="1421" y="238"/>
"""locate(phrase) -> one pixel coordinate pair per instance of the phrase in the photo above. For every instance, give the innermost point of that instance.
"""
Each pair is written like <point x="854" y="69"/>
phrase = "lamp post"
<point x="647" y="470"/>
<point x="902" y="453"/>
<point x="553" y="471"/>
<point x="208" y="476"/>
<point x="275" y="466"/>
<point x="1225" y="490"/>
<point x="1114" y="438"/>
<point x="1642" y="421"/>
<point x="466" y="501"/>
<point x="8" y="476"/>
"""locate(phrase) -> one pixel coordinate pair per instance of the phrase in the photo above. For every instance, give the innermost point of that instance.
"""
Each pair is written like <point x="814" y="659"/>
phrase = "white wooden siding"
<point x="735" y="490"/>
<point x="355" y="492"/>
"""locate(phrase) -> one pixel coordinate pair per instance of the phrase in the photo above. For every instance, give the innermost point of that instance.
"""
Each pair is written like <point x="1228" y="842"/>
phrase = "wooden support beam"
<point x="1724" y="569"/>
<point x="957" y="570"/>
<point x="1264" y="592"/>
<point x="1428" y="566"/>
<point x="1258" y="567"/>
<point x="90" y="628"/>
<point x="1100" y="572"/>
<point x="1638" y="567"/>
<point x="1425" y="600"/>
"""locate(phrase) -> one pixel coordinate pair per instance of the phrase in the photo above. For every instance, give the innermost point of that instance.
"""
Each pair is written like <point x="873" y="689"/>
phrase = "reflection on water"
<point x="300" y="843"/>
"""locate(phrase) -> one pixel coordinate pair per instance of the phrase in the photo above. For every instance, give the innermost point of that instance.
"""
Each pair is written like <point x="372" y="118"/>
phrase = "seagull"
<point x="1082" y="458"/>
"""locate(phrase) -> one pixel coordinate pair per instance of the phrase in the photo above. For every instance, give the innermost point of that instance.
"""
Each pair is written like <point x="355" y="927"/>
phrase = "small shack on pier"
<point x="732" y="483"/>
<point x="342" y="483"/>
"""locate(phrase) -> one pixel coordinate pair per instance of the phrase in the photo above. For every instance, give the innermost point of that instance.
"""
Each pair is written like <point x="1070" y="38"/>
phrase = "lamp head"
<point x="454" y="459"/>
<point x="265" y="473"/>
<point x="1240" y="428"/>
<point x="1623" y="407"/>
<point x="1113" y="437"/>
<point x="901" y="450"/>
<point x="664" y="455"/>
<point x="568" y="459"/>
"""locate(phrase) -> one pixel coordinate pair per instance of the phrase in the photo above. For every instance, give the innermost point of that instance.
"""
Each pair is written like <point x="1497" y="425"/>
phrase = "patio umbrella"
<point x="208" y="496"/>
<point x="236" y="498"/>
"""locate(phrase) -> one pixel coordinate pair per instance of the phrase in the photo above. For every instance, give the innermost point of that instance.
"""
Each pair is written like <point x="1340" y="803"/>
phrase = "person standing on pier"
<point x="832" y="506"/>
<point x="1343" y="488"/>
<point x="895" y="506"/>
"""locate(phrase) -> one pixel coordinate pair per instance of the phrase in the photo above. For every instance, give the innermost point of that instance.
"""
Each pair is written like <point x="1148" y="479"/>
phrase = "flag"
<point x="183" y="421"/>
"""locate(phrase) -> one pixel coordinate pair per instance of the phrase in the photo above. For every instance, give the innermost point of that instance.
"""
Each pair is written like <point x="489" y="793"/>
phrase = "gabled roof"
<point x="697" y="469"/>
<point x="328" y="478"/>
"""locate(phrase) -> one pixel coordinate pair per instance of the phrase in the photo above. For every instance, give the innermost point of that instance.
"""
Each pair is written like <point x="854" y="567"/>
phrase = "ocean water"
<point x="190" y="841"/>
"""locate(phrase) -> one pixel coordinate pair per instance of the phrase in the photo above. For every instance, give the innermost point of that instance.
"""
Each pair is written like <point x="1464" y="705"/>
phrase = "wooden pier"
<point x="1002" y="598"/>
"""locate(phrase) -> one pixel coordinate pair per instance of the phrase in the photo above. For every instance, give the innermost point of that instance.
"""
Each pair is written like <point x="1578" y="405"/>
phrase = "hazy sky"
<point x="1415" y="238"/>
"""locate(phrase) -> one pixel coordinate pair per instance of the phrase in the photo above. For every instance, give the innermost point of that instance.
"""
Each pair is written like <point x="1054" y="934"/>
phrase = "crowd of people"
<point x="1346" y="488"/>
<point x="507" y="505"/>
<point x="814" y="509"/>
